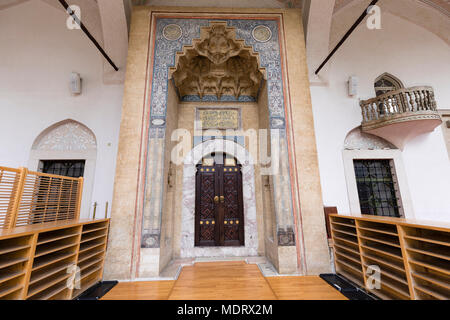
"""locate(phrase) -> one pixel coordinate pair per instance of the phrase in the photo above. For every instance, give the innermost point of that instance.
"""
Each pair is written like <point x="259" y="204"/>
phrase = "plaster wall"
<point x="37" y="56"/>
<point x="417" y="57"/>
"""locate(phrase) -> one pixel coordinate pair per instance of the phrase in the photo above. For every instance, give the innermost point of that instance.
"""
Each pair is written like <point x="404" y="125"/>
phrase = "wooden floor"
<point x="235" y="280"/>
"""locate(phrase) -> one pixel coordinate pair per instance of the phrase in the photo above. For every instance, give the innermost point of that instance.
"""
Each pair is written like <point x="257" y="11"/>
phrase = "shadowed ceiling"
<point x="441" y="5"/>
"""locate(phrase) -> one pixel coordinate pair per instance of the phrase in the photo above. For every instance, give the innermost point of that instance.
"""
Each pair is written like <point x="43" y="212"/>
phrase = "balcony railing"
<point x="397" y="102"/>
<point x="28" y="197"/>
<point x="400" y="115"/>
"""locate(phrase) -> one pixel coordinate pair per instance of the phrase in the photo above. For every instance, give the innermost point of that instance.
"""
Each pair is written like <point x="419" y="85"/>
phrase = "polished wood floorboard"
<point x="234" y="280"/>
<point x="140" y="290"/>
<point x="303" y="288"/>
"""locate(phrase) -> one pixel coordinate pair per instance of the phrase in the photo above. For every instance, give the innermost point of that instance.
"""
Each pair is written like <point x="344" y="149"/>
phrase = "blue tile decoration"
<point x="165" y="51"/>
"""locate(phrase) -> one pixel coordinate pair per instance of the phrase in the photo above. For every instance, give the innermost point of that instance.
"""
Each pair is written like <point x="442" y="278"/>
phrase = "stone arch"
<point x="356" y="139"/>
<point x="68" y="140"/>
<point x="188" y="250"/>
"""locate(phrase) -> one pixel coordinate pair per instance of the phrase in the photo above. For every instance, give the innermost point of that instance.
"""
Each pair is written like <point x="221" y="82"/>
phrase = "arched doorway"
<point x="196" y="157"/>
<point x="219" y="205"/>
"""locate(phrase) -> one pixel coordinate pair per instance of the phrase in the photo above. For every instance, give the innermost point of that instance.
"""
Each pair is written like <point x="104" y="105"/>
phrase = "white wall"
<point x="415" y="56"/>
<point x="37" y="55"/>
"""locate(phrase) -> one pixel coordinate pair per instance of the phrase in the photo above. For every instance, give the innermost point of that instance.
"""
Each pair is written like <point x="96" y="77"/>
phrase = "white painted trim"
<point x="396" y="156"/>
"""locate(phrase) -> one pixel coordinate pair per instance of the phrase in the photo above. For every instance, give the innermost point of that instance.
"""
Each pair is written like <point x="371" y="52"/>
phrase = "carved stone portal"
<point x="217" y="64"/>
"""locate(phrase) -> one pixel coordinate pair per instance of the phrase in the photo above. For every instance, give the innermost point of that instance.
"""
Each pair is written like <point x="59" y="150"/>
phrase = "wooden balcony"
<point x="401" y="115"/>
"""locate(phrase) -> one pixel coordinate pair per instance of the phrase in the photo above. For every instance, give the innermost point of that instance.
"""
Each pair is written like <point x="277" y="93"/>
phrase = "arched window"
<point x="385" y="83"/>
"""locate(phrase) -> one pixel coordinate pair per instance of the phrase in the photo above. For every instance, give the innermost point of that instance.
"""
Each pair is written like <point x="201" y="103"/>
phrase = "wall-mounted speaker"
<point x="75" y="83"/>
<point x="353" y="86"/>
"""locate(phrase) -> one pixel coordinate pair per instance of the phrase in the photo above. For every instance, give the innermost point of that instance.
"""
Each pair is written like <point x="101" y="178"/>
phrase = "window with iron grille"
<point x="377" y="187"/>
<point x="68" y="168"/>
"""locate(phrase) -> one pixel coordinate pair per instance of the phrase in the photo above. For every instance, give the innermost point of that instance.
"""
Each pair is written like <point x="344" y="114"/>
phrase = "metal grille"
<point x="67" y="168"/>
<point x="376" y="188"/>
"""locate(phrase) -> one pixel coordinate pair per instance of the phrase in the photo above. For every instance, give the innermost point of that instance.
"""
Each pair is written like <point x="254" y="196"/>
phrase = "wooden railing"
<point x="411" y="257"/>
<point x="28" y="197"/>
<point x="397" y="102"/>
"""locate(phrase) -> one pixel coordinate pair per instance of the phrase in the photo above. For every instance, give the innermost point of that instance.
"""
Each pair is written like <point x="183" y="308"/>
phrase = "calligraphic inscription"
<point x="219" y="118"/>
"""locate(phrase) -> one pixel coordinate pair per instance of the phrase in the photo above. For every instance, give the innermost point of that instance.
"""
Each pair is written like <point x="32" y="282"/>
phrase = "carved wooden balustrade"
<point x="399" y="115"/>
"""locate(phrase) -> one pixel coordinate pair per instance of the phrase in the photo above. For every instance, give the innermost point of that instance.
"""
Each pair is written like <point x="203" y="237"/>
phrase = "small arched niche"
<point x="67" y="141"/>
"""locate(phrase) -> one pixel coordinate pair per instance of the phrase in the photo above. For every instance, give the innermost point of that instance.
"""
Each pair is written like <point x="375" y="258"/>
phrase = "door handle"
<point x="216" y="199"/>
<point x="222" y="199"/>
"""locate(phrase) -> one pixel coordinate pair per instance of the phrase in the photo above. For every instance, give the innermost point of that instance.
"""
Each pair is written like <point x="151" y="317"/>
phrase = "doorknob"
<point x="222" y="199"/>
<point x="216" y="199"/>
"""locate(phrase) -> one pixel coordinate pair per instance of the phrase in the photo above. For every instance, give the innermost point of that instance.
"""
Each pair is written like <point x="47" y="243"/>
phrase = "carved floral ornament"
<point x="217" y="64"/>
<point x="66" y="136"/>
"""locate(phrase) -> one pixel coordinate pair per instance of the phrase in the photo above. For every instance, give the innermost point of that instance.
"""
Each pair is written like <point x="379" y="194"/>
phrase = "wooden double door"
<point x="219" y="206"/>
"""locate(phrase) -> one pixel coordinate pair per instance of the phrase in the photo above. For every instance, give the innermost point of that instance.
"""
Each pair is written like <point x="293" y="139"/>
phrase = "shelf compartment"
<point x="355" y="260"/>
<point x="350" y="266"/>
<point x="50" y="292"/>
<point x="14" y="248"/>
<point x="345" y="240"/>
<point x="395" y="267"/>
<point x="381" y="249"/>
<point x="399" y="290"/>
<point x="93" y="235"/>
<point x="393" y="293"/>
<point x="6" y="276"/>
<point x="12" y="261"/>
<point x="378" y="231"/>
<point x="398" y="278"/>
<point x="9" y="290"/>
<point x="86" y="283"/>
<point x="347" y="221"/>
<point x="381" y="294"/>
<point x="90" y="262"/>
<point x="55" y="246"/>
<point x="41" y="286"/>
<point x="429" y="291"/>
<point x="92" y="244"/>
<point x="352" y="252"/>
<point x="383" y="241"/>
<point x="343" y="224"/>
<point x="345" y="232"/>
<point x="14" y="244"/>
<point x="378" y="227"/>
<point x="91" y="226"/>
<point x="357" y="280"/>
<point x="89" y="254"/>
<point x="49" y="271"/>
<point x="94" y="229"/>
<point x="433" y="265"/>
<point x="52" y="258"/>
<point x="429" y="278"/>
<point x="61" y="295"/>
<point x="427" y="235"/>
<point x="58" y="234"/>
<point x="430" y="253"/>
<point x="58" y="238"/>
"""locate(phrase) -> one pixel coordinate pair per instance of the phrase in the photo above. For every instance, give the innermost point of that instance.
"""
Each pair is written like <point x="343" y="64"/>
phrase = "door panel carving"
<point x="219" y="206"/>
